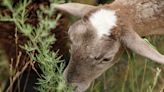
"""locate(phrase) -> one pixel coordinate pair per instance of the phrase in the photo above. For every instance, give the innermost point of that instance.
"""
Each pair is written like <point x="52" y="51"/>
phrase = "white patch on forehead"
<point x="103" y="20"/>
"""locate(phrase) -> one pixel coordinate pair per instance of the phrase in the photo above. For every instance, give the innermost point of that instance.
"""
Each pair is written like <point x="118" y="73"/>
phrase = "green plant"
<point x="38" y="47"/>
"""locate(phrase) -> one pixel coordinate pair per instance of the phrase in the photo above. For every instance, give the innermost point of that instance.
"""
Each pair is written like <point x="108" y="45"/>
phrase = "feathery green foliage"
<point x="40" y="41"/>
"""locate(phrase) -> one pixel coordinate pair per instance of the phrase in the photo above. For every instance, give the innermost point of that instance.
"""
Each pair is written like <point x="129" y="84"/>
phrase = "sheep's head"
<point x="89" y="52"/>
<point x="96" y="40"/>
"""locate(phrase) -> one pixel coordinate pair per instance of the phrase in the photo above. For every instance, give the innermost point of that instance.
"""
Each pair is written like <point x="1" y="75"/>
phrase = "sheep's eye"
<point x="106" y="60"/>
<point x="101" y="59"/>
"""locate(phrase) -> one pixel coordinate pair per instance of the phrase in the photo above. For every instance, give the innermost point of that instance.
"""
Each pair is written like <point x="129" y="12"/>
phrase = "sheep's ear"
<point x="75" y="9"/>
<point x="134" y="42"/>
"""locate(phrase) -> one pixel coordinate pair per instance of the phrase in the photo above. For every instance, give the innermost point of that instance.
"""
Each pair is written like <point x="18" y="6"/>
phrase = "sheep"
<point x="98" y="38"/>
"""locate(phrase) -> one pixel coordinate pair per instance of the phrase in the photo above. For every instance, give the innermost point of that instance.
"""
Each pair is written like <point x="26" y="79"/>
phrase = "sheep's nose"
<point x="80" y="87"/>
<point x="77" y="87"/>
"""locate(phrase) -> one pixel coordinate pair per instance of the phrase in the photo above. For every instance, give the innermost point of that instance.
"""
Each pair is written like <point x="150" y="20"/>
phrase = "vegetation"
<point x="133" y="73"/>
<point x="38" y="47"/>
